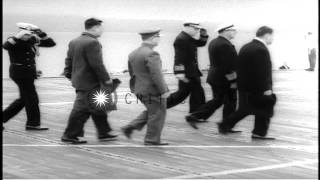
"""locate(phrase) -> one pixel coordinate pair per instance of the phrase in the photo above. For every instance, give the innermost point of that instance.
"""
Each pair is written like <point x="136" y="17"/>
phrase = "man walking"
<point x="186" y="66"/>
<point x="85" y="68"/>
<point x="254" y="72"/>
<point x="221" y="76"/>
<point x="23" y="50"/>
<point x="148" y="83"/>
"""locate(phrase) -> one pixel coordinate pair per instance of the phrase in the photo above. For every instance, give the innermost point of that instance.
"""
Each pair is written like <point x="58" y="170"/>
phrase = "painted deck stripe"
<point x="246" y="170"/>
<point x="170" y="146"/>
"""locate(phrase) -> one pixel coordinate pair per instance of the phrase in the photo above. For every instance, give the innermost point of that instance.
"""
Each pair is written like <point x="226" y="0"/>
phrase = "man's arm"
<point x="154" y="66"/>
<point x="45" y="41"/>
<point x="10" y="43"/>
<point x="93" y="52"/>
<point x="179" y="57"/>
<point x="202" y="41"/>
<point x="68" y="63"/>
<point x="263" y="70"/>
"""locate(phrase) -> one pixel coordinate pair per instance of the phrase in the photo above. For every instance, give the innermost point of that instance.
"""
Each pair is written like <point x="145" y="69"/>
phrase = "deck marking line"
<point x="104" y="154"/>
<point x="245" y="170"/>
<point x="170" y="146"/>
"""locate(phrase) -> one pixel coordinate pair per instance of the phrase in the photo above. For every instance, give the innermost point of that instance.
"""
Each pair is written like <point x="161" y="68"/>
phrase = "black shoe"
<point x="36" y="128"/>
<point x="127" y="131"/>
<point x="192" y="121"/>
<point x="309" y="69"/>
<point x="224" y="130"/>
<point x="255" y="136"/>
<point x="72" y="140"/>
<point x="155" y="144"/>
<point x="108" y="137"/>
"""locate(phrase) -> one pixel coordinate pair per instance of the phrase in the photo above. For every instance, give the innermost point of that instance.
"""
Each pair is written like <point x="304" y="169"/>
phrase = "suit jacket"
<point x="84" y="63"/>
<point x="223" y="56"/>
<point x="186" y="56"/>
<point x="145" y="70"/>
<point x="254" y="68"/>
<point x="22" y="57"/>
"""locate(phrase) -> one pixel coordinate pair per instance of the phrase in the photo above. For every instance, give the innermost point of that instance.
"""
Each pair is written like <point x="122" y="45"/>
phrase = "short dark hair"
<point x="89" y="23"/>
<point x="264" y="30"/>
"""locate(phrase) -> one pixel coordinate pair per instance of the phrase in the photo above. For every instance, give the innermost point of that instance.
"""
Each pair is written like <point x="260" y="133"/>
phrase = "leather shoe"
<point x="127" y="131"/>
<point x="72" y="140"/>
<point x="224" y="130"/>
<point x="192" y="122"/>
<point x="108" y="137"/>
<point x="36" y="128"/>
<point x="255" y="136"/>
<point x="155" y="144"/>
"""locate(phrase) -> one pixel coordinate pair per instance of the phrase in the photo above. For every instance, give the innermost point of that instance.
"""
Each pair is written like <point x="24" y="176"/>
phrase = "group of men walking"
<point x="248" y="72"/>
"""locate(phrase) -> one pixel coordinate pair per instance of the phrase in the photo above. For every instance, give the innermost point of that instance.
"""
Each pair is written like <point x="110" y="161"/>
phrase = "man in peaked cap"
<point x="23" y="48"/>
<point x="186" y="67"/>
<point x="148" y="84"/>
<point x="221" y="76"/>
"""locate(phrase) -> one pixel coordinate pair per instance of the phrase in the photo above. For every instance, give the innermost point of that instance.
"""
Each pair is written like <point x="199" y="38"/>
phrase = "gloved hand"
<point x="22" y="33"/>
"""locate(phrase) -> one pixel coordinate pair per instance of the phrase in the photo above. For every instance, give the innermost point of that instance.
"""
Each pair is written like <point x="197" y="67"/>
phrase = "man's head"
<point x="191" y="28"/>
<point x="94" y="27"/>
<point x="151" y="36"/>
<point x="227" y="30"/>
<point x="265" y="33"/>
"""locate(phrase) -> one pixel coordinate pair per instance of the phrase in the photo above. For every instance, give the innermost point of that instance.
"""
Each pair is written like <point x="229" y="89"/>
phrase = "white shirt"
<point x="261" y="40"/>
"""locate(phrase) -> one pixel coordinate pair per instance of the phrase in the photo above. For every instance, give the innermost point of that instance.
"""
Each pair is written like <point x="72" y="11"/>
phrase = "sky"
<point x="286" y="14"/>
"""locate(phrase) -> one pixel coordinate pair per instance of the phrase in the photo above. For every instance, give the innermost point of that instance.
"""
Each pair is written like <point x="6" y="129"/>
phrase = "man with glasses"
<point x="221" y="76"/>
<point x="186" y="67"/>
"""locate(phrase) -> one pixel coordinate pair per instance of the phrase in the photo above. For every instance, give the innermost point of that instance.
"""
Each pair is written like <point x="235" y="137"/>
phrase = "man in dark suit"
<point x="254" y="71"/>
<point x="23" y="50"/>
<point x="148" y="83"/>
<point x="85" y="68"/>
<point x="221" y="76"/>
<point x="186" y="66"/>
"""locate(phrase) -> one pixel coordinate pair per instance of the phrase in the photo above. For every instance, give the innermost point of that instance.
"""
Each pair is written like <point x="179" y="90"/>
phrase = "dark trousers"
<point x="80" y="114"/>
<point x="192" y="88"/>
<point x="221" y="96"/>
<point x="28" y="99"/>
<point x="262" y="115"/>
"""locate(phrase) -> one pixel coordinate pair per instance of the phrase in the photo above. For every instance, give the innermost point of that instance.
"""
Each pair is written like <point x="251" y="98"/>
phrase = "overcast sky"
<point x="284" y="13"/>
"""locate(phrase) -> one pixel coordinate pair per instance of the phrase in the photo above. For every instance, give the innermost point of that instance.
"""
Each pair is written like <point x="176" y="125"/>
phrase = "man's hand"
<point x="165" y="95"/>
<point x="182" y="77"/>
<point x="233" y="86"/>
<point x="22" y="33"/>
<point x="268" y="93"/>
<point x="108" y="82"/>
<point x="231" y="76"/>
<point x="39" y="73"/>
<point x="203" y="32"/>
